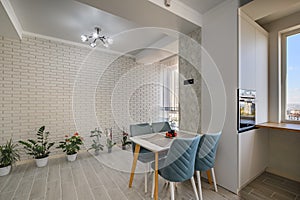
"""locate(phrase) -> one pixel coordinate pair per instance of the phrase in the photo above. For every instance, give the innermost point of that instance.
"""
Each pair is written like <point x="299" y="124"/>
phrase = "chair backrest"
<point x="180" y="160"/>
<point x="140" y="129"/>
<point x="160" y="127"/>
<point x="206" y="153"/>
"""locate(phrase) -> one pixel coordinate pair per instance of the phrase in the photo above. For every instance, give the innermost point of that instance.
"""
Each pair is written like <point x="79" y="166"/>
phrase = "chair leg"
<point x="199" y="185"/>
<point x="172" y="190"/>
<point x="195" y="188"/>
<point x="146" y="174"/>
<point x="153" y="185"/>
<point x="149" y="168"/>
<point x="214" y="179"/>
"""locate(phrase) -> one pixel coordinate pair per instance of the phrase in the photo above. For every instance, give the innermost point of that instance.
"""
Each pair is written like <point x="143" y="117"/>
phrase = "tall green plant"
<point x="96" y="142"/>
<point x="39" y="148"/>
<point x="109" y="140"/>
<point x="8" y="154"/>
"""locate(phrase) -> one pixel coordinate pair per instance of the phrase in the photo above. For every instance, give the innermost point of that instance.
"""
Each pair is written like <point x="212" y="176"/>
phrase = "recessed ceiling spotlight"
<point x="95" y="36"/>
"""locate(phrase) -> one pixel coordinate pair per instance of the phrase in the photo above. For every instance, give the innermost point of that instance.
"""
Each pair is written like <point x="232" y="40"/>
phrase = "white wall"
<point x="284" y="154"/>
<point x="220" y="39"/>
<point x="37" y="79"/>
<point x="284" y="146"/>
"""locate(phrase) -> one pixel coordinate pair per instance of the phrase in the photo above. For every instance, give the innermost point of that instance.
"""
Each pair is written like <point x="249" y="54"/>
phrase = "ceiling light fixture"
<point x="92" y="38"/>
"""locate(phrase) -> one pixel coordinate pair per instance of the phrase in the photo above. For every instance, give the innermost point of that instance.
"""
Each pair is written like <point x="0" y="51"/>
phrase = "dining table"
<point x="156" y="143"/>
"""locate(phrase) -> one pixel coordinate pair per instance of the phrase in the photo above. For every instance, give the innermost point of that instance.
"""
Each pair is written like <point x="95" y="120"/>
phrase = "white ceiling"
<point x="266" y="11"/>
<point x="68" y="19"/>
<point x="9" y="29"/>
<point x="201" y="6"/>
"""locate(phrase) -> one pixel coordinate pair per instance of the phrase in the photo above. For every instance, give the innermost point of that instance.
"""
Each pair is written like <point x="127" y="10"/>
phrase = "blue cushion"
<point x="179" y="163"/>
<point x="145" y="155"/>
<point x="206" y="153"/>
<point x="160" y="127"/>
<point x="140" y="129"/>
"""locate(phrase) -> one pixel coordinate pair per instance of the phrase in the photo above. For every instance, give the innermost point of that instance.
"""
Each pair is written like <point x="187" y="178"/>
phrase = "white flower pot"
<point x="72" y="157"/>
<point x="5" y="170"/>
<point x="97" y="152"/>
<point x="41" y="162"/>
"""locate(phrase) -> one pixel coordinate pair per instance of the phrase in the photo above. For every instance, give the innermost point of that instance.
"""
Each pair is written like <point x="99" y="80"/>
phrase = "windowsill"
<point x="281" y="126"/>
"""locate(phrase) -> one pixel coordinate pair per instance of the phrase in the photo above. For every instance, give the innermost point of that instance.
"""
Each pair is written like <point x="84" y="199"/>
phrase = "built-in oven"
<point x="246" y="109"/>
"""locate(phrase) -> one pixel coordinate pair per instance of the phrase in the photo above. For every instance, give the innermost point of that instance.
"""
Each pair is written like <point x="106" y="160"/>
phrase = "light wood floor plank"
<point x="24" y="187"/>
<point x="53" y="190"/>
<point x="68" y="191"/>
<point x="84" y="192"/>
<point x="38" y="189"/>
<point x="89" y="179"/>
<point x="100" y="193"/>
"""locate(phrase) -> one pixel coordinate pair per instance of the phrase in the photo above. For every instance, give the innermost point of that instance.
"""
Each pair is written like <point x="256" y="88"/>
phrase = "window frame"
<point x="283" y="56"/>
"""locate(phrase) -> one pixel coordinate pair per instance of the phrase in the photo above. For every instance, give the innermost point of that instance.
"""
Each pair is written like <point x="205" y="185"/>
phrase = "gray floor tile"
<point x="12" y="183"/>
<point x="6" y="195"/>
<point x="54" y="173"/>
<point x="84" y="192"/>
<point x="38" y="189"/>
<point x="53" y="190"/>
<point x="68" y="191"/>
<point x="116" y="194"/>
<point x="100" y="193"/>
<point x="89" y="179"/>
<point x="66" y="175"/>
<point x="24" y="187"/>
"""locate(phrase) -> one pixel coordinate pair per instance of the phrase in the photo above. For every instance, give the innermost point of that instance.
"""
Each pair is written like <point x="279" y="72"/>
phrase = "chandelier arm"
<point x="95" y="38"/>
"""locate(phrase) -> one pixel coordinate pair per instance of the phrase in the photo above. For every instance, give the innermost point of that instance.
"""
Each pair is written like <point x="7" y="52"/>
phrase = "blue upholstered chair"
<point x="145" y="156"/>
<point x="205" y="157"/>
<point x="178" y="165"/>
<point x="160" y="127"/>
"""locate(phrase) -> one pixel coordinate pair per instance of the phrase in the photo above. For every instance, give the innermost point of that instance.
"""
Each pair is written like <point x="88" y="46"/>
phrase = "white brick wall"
<point x="37" y="78"/>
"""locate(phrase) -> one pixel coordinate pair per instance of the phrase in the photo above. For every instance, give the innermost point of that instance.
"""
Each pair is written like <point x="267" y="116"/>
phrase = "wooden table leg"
<point x="156" y="177"/>
<point x="135" y="158"/>
<point x="209" y="177"/>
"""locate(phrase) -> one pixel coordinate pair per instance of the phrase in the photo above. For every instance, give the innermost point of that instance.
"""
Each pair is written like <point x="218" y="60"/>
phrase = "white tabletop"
<point x="156" y="142"/>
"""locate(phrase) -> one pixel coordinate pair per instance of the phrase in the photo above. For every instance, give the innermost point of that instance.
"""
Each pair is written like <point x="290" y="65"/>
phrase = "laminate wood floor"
<point x="89" y="179"/>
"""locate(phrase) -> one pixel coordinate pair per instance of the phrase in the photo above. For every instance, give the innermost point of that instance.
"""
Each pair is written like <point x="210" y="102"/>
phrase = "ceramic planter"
<point x="97" y="152"/>
<point x="5" y="170"/>
<point x="109" y="150"/>
<point x="72" y="157"/>
<point x="124" y="147"/>
<point x="41" y="162"/>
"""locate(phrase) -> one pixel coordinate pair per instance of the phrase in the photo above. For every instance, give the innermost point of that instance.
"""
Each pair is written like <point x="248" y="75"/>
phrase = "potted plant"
<point x="71" y="145"/>
<point x="109" y="140"/>
<point x="8" y="156"/>
<point x="96" y="142"/>
<point x="124" y="140"/>
<point x="40" y="148"/>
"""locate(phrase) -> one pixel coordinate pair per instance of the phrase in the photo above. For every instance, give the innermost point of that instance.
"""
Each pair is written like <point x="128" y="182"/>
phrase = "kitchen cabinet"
<point x="253" y="75"/>
<point x="253" y="154"/>
<point x="261" y="80"/>
<point x="247" y="67"/>
<point x="253" y="63"/>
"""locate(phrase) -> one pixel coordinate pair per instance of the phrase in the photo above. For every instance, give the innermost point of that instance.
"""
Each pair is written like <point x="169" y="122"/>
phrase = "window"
<point x="291" y="76"/>
<point x="170" y="91"/>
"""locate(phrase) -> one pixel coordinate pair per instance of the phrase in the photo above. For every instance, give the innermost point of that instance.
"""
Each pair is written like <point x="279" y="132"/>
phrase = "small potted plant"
<point x="124" y="140"/>
<point x="40" y="148"/>
<point x="71" y="145"/>
<point x="8" y="156"/>
<point x="96" y="142"/>
<point x="109" y="140"/>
